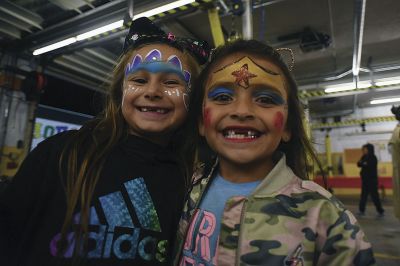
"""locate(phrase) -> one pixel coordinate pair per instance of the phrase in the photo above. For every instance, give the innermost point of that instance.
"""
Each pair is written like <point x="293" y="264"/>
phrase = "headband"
<point x="144" y="31"/>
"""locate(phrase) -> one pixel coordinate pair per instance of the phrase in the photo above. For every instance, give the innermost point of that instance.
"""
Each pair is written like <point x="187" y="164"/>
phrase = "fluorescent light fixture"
<point x="385" y="100"/>
<point x="388" y="81"/>
<point x="54" y="46"/>
<point x="346" y="87"/>
<point x="112" y="26"/>
<point x="163" y="8"/>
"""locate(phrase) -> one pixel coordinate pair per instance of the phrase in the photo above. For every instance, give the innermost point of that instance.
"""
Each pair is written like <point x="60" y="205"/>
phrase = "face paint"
<point x="206" y="117"/>
<point x="153" y="63"/>
<point x="268" y="97"/>
<point x="278" y="121"/>
<point x="245" y="73"/>
<point x="219" y="91"/>
<point x="242" y="76"/>
<point x="129" y="89"/>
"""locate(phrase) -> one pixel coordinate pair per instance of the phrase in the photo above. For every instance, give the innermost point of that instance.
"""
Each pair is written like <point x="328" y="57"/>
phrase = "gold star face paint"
<point x="245" y="73"/>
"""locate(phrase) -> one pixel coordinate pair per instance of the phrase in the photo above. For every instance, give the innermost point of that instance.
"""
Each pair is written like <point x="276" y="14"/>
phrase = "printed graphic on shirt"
<point x="200" y="247"/>
<point x="120" y="237"/>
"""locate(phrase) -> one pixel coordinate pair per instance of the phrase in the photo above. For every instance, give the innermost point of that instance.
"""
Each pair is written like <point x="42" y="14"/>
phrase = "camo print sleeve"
<point x="286" y="221"/>
<point x="341" y="240"/>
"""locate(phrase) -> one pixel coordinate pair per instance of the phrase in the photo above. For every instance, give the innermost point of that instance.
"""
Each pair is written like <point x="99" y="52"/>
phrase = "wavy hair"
<point x="80" y="169"/>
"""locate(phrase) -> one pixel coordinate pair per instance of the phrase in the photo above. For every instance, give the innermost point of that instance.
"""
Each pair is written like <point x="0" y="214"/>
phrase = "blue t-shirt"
<point x="202" y="240"/>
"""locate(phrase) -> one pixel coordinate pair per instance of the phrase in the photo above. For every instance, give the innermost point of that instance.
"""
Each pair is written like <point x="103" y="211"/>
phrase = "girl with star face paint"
<point x="253" y="204"/>
<point x="111" y="192"/>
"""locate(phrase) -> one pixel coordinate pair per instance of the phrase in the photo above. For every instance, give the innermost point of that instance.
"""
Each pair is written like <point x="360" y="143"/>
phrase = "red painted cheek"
<point x="206" y="117"/>
<point x="278" y="121"/>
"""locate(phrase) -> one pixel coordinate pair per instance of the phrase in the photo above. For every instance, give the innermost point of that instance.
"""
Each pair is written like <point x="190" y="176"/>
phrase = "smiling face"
<point x="155" y="91"/>
<point x="245" y="111"/>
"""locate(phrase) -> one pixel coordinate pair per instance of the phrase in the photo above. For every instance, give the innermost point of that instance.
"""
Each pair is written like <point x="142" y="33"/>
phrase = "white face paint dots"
<point x="156" y="90"/>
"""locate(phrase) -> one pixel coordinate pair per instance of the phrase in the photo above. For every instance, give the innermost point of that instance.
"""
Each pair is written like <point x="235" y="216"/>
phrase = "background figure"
<point x="395" y="148"/>
<point x="369" y="178"/>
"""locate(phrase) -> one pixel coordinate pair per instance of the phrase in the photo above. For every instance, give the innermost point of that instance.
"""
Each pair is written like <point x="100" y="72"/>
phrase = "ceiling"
<point x="324" y="35"/>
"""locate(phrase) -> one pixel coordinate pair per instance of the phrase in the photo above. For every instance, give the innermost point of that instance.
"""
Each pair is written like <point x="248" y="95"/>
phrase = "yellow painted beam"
<point x="215" y="25"/>
<point x="351" y="122"/>
<point x="328" y="152"/>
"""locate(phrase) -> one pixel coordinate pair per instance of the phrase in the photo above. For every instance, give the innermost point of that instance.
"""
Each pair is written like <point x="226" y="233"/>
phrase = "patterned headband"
<point x="143" y="31"/>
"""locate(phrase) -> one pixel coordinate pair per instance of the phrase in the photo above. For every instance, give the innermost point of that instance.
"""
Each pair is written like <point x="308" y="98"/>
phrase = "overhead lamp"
<point x="387" y="82"/>
<point x="110" y="27"/>
<point x="54" y="46"/>
<point x="385" y="100"/>
<point x="346" y="87"/>
<point x="163" y="8"/>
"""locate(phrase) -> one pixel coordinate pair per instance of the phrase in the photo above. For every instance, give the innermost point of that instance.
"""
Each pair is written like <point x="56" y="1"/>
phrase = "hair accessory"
<point x="290" y="64"/>
<point x="155" y="55"/>
<point x="143" y="30"/>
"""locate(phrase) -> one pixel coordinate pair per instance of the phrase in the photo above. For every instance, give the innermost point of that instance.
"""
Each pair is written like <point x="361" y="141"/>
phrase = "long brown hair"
<point x="299" y="148"/>
<point x="80" y="169"/>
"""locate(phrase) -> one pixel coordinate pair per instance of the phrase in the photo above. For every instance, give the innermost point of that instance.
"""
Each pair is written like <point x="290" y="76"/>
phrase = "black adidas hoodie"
<point x="133" y="218"/>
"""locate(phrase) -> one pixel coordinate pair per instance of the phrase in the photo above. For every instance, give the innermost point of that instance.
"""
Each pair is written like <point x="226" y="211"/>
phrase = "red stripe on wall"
<point x="353" y="182"/>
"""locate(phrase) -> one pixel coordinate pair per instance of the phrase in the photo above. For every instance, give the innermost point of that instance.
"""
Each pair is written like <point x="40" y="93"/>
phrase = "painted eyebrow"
<point x="157" y="67"/>
<point x="219" y="90"/>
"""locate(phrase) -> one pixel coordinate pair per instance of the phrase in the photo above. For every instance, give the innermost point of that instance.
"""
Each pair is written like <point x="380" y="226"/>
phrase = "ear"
<point x="200" y="125"/>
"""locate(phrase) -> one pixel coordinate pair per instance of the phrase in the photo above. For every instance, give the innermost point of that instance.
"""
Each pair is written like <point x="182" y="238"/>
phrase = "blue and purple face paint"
<point x="263" y="96"/>
<point x="154" y="63"/>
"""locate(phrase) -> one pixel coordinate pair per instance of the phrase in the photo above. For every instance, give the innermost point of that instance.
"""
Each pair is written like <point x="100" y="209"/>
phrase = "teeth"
<point x="157" y="110"/>
<point x="231" y="134"/>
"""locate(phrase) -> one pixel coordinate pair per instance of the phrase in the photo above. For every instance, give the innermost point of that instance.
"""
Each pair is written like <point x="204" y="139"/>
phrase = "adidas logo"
<point x="111" y="242"/>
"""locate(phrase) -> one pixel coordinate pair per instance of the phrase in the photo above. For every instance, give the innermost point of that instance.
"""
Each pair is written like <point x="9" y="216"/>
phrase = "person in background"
<point x="369" y="180"/>
<point x="253" y="204"/>
<point x="111" y="193"/>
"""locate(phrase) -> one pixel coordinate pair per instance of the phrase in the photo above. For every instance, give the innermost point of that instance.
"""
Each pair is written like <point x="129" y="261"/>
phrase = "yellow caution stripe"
<point x="352" y="122"/>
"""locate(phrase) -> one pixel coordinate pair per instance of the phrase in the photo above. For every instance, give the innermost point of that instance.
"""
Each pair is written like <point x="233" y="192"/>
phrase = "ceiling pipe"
<point x="224" y="6"/>
<point x="130" y="9"/>
<point x="113" y="6"/>
<point x="21" y="14"/>
<point x="247" y="29"/>
<point x="268" y="3"/>
<point x="359" y="16"/>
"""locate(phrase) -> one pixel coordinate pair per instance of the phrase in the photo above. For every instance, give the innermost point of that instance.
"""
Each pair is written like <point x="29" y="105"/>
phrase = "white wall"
<point x="352" y="137"/>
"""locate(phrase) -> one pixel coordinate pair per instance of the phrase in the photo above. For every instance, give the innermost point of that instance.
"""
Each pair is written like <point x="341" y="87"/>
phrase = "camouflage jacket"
<point x="285" y="221"/>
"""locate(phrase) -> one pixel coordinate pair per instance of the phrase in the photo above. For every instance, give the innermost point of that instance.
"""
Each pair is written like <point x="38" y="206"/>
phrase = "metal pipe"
<point x="224" y="6"/>
<point x="21" y="14"/>
<point x="247" y="29"/>
<point x="130" y="9"/>
<point x="117" y="4"/>
<point x="268" y="3"/>
<point x="333" y="43"/>
<point x="359" y="16"/>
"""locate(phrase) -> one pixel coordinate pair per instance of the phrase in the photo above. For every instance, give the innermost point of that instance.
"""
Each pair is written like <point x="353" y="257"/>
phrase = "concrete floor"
<point x="383" y="233"/>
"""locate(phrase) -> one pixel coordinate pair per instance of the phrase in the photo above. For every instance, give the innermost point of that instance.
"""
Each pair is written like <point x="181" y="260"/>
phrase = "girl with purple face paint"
<point x="111" y="192"/>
